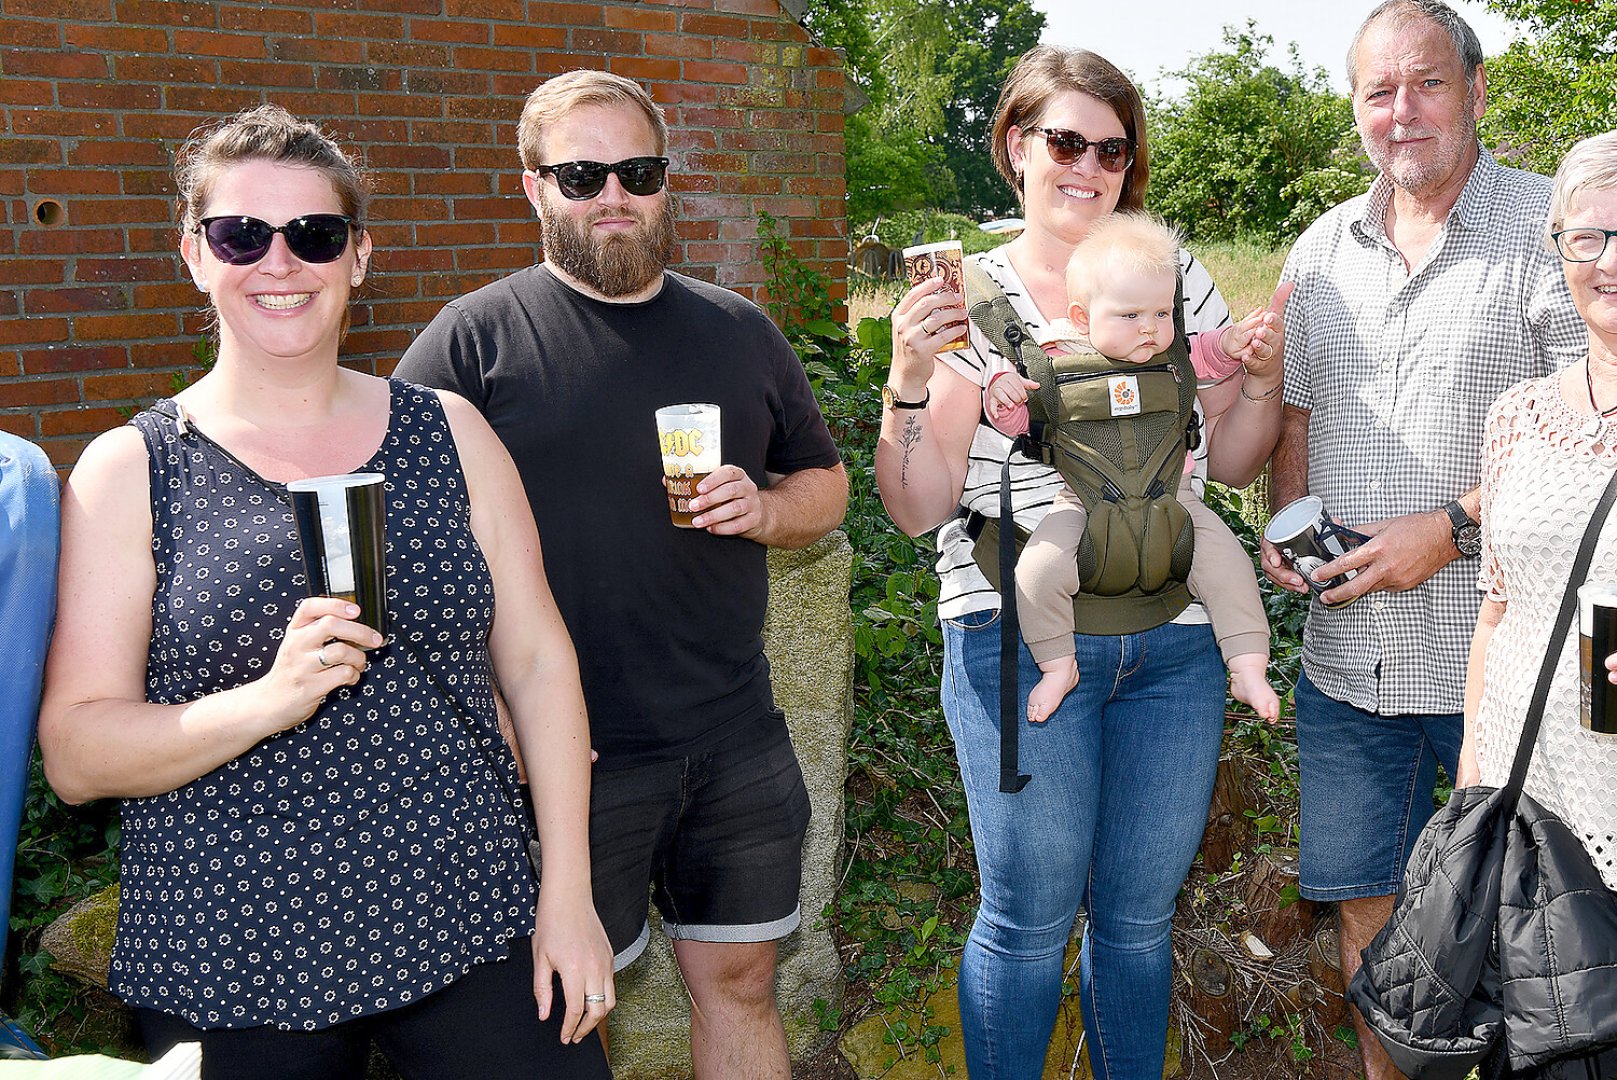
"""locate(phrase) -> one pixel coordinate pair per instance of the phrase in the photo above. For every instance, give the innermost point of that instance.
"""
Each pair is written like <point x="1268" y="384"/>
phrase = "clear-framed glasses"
<point x="1582" y="245"/>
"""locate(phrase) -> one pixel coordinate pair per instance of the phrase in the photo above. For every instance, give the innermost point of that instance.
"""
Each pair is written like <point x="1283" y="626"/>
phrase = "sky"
<point x="1147" y="37"/>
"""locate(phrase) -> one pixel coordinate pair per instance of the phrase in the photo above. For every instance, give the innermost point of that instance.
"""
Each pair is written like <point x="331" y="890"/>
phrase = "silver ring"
<point x="320" y="655"/>
<point x="925" y="329"/>
<point x="595" y="999"/>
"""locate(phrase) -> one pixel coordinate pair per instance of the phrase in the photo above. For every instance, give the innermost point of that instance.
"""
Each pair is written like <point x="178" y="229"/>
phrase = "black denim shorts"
<point x="715" y="838"/>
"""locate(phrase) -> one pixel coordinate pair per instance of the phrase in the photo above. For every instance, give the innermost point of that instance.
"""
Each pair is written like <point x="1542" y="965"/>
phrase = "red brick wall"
<point x="96" y="313"/>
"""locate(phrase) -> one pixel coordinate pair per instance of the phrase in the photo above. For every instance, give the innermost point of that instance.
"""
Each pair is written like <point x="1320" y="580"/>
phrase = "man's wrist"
<point x="1464" y="533"/>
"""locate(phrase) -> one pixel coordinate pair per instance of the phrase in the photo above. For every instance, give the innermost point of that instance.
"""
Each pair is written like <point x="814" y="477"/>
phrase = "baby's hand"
<point x="1258" y="341"/>
<point x="1007" y="391"/>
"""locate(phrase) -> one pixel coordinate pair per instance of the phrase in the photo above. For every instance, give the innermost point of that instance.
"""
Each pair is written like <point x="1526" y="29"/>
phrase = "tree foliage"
<point x="1555" y="85"/>
<point x="1251" y="149"/>
<point x="932" y="72"/>
<point x="977" y="68"/>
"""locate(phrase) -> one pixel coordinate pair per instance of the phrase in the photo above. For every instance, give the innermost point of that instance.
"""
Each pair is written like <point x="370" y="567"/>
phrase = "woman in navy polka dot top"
<point x="323" y="843"/>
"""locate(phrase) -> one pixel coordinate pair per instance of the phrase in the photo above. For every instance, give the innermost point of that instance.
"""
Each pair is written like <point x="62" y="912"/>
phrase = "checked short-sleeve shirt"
<point x="1398" y="369"/>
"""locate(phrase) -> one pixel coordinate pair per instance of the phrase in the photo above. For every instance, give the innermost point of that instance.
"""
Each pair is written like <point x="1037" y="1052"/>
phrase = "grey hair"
<point x="1464" y="39"/>
<point x="1591" y="165"/>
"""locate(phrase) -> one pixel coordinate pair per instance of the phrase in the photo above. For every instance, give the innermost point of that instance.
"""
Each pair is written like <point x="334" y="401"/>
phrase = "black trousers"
<point x="484" y="1024"/>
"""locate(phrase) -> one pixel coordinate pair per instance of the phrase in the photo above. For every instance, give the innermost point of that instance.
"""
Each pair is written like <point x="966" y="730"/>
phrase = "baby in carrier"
<point x="1122" y="284"/>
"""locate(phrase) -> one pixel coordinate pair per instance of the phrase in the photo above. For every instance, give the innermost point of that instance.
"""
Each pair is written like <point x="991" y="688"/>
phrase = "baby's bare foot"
<point x="1249" y="683"/>
<point x="1057" y="680"/>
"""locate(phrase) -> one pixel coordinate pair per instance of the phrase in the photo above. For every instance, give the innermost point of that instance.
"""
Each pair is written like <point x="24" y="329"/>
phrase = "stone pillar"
<point x="808" y="635"/>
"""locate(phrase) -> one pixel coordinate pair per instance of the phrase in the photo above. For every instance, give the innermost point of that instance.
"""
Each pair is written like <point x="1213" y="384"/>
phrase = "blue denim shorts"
<point x="1367" y="785"/>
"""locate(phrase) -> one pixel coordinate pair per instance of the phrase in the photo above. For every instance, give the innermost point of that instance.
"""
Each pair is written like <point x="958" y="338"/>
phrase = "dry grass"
<point x="867" y="299"/>
<point x="1245" y="272"/>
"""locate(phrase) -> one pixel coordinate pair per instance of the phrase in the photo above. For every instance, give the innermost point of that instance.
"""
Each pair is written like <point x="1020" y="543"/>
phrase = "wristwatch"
<point x="890" y="399"/>
<point x="1467" y="533"/>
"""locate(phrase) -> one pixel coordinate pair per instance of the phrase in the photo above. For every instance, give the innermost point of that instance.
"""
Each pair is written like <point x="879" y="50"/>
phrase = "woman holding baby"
<point x="1122" y="770"/>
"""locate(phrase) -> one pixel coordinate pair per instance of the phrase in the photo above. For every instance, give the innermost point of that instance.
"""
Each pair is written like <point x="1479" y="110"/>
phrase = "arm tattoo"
<point x="909" y="439"/>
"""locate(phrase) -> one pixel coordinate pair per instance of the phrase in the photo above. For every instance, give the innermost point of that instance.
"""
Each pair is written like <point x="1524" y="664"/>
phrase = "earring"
<point x="358" y="277"/>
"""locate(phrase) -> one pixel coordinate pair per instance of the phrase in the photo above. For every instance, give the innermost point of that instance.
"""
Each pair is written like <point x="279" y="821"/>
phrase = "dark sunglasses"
<point x="579" y="180"/>
<point x="314" y="238"/>
<point x="1067" y="147"/>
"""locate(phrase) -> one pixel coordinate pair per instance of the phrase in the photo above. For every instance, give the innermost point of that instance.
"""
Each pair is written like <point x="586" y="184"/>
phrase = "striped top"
<point x="1033" y="484"/>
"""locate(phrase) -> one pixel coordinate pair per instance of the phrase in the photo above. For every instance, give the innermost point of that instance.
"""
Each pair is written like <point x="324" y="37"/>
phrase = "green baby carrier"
<point x="1117" y="433"/>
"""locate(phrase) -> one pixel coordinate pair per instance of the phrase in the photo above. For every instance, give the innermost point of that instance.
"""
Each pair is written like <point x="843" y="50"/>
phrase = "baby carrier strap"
<point x="997" y="319"/>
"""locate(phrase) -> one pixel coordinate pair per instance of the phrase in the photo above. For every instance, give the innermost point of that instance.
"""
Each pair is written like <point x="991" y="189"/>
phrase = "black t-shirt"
<point x="666" y="621"/>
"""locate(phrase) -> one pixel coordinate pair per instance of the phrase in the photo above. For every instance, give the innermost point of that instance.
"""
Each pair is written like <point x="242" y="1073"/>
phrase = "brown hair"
<point x="267" y="133"/>
<point x="557" y="97"/>
<point x="1047" y="70"/>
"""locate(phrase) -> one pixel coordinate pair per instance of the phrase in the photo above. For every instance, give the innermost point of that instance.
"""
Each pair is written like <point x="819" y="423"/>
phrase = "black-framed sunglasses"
<point x="579" y="180"/>
<point x="242" y="240"/>
<point x="1582" y="245"/>
<point x="1114" y="154"/>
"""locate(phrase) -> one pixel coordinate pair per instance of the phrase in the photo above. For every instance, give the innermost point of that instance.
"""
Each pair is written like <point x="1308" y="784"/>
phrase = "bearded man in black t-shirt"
<point x="697" y="800"/>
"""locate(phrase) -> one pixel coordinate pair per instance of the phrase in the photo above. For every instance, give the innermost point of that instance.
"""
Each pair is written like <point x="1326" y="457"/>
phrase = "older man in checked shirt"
<point x="1416" y="305"/>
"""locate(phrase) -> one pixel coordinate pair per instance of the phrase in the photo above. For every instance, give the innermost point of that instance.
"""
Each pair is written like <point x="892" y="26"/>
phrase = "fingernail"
<point x="351" y="610"/>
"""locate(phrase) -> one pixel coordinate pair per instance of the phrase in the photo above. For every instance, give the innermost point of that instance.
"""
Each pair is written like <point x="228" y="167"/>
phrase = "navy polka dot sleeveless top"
<point x="368" y="856"/>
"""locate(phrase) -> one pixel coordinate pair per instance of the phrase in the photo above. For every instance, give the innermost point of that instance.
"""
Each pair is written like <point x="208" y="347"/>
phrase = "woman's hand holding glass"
<point x="324" y="648"/>
<point x="927" y="317"/>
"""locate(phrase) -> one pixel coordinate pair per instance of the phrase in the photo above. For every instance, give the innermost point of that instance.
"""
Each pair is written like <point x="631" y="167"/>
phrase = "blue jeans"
<point x="1122" y="775"/>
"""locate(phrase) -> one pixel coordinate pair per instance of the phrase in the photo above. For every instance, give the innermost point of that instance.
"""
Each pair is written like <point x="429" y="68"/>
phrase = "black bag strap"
<point x="1552" y="654"/>
<point x="1010" y="643"/>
